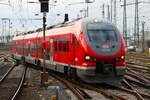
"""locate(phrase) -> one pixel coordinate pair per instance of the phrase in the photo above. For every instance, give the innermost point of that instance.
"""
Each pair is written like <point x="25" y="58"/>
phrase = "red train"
<point x="91" y="49"/>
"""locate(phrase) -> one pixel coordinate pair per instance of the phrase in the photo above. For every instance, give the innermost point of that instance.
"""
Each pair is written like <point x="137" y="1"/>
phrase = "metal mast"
<point x="103" y="11"/>
<point x="136" y="24"/>
<point x="111" y="10"/>
<point x="143" y="37"/>
<point x="108" y="13"/>
<point x="115" y="13"/>
<point x="125" y="23"/>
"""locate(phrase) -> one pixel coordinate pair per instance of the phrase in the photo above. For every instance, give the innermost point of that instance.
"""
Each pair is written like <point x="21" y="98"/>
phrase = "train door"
<point x="17" y="47"/>
<point x="51" y="51"/>
<point x="73" y="50"/>
<point x="29" y="48"/>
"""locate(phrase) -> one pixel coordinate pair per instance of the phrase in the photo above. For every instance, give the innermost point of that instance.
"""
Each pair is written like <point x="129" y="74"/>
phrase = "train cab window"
<point x="102" y="35"/>
<point x="104" y="39"/>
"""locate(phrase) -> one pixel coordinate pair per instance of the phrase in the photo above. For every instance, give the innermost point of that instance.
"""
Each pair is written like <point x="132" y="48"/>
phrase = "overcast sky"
<point x="26" y="16"/>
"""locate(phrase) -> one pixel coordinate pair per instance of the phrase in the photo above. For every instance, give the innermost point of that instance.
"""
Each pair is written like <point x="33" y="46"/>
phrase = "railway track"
<point x="11" y="82"/>
<point x="137" y="80"/>
<point x="138" y="67"/>
<point x="74" y="86"/>
<point x="123" y="92"/>
<point x="138" y="93"/>
<point x="114" y="92"/>
<point x="78" y="91"/>
<point x="139" y="59"/>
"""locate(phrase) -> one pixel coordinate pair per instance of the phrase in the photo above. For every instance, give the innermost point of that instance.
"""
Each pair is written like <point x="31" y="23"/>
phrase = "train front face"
<point x="104" y="52"/>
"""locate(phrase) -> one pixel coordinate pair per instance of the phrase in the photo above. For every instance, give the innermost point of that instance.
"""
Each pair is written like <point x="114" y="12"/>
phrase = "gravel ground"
<point x="96" y="96"/>
<point x="123" y="94"/>
<point x="34" y="91"/>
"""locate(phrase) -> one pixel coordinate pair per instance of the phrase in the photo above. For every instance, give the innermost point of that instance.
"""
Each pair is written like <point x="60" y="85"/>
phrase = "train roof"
<point x="18" y="37"/>
<point x="62" y="28"/>
<point x="29" y="36"/>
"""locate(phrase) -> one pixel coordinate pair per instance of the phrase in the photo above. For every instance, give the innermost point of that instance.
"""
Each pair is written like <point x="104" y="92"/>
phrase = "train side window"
<point x="28" y="47"/>
<point x="67" y="46"/>
<point x="64" y="46"/>
<point x="31" y="49"/>
<point x="57" y="46"/>
<point x="16" y="47"/>
<point x="75" y="42"/>
<point x="60" y="46"/>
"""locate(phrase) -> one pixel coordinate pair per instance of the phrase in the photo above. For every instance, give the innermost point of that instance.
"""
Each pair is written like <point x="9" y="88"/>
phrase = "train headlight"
<point x="87" y="57"/>
<point x="122" y="57"/>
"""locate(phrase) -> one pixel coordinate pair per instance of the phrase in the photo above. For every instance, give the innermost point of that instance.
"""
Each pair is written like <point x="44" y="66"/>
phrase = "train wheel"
<point x="66" y="71"/>
<point x="73" y="74"/>
<point x="17" y="62"/>
<point x="12" y="56"/>
<point x="22" y="60"/>
<point x="35" y="62"/>
<point x="39" y="63"/>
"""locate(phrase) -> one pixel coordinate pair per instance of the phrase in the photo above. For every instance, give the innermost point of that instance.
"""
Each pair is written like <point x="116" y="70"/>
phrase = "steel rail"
<point x="130" y="91"/>
<point x="70" y="86"/>
<point x="126" y="90"/>
<point x="139" y="97"/>
<point x="107" y="94"/>
<point x="6" y="74"/>
<point x="128" y="78"/>
<point x="137" y="77"/>
<point x="80" y="96"/>
<point x="84" y="94"/>
<point x="20" y="85"/>
<point x="139" y="70"/>
<point x="141" y="67"/>
<point x="139" y="74"/>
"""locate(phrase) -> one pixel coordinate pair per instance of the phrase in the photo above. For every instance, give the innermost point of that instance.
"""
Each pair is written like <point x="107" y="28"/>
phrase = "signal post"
<point x="44" y="10"/>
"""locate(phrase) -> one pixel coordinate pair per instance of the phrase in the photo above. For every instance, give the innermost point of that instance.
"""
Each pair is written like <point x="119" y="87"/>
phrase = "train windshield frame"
<point x="102" y="30"/>
<point x="102" y="35"/>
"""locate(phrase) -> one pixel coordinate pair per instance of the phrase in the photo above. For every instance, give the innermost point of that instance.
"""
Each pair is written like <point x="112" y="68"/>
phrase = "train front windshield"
<point x="104" y="39"/>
